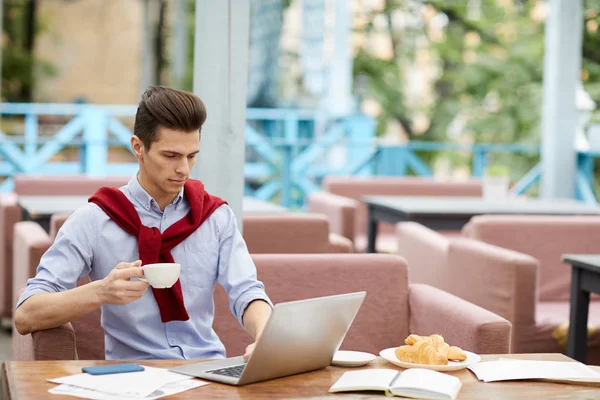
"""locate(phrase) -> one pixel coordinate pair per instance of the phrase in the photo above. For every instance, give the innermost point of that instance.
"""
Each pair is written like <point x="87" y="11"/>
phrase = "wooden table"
<point x="26" y="380"/>
<point x="453" y="212"/>
<point x="585" y="278"/>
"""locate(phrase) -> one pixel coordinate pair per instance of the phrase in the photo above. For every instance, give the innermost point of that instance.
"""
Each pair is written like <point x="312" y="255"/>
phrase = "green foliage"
<point x="488" y="84"/>
<point x="497" y="170"/>
<point x="20" y="68"/>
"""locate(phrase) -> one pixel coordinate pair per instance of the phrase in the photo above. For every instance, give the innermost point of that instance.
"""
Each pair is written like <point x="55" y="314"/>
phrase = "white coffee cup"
<point x="161" y="275"/>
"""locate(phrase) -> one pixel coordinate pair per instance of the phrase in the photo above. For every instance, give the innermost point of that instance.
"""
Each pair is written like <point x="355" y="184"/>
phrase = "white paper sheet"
<point x="132" y="384"/>
<point x="167" y="390"/>
<point x="504" y="370"/>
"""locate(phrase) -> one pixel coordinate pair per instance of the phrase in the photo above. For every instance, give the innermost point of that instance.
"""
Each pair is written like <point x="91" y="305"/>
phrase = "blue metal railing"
<point x="286" y="156"/>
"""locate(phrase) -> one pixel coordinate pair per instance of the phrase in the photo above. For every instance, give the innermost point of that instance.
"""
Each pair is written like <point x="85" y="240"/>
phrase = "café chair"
<point x="511" y="265"/>
<point x="292" y="233"/>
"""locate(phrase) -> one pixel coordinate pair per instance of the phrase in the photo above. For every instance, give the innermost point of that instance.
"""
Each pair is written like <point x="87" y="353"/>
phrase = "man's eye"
<point x="169" y="155"/>
<point x="192" y="156"/>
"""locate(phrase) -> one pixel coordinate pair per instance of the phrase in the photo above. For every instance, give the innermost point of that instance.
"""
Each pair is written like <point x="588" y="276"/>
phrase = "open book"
<point x="414" y="383"/>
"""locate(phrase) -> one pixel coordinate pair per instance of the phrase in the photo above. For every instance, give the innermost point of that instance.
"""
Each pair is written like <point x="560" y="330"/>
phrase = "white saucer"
<point x="343" y="358"/>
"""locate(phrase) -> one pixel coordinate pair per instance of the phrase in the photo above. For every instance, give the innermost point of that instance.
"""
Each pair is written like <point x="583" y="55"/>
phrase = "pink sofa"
<point x="10" y="213"/>
<point x="340" y="201"/>
<point x="392" y="309"/>
<point x="292" y="233"/>
<point x="510" y="265"/>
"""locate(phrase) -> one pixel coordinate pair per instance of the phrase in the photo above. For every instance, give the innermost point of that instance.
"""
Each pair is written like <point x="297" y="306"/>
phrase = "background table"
<point x="452" y="213"/>
<point x="26" y="380"/>
<point x="585" y="278"/>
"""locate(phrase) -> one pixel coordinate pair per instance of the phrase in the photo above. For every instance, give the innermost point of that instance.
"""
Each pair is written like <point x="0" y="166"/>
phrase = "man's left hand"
<point x="249" y="351"/>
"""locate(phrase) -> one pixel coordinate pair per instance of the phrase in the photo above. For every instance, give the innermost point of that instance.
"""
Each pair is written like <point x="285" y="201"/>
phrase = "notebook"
<point x="413" y="383"/>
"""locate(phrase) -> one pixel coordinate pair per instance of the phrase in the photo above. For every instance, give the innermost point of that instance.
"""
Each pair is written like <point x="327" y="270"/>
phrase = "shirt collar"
<point x="142" y="197"/>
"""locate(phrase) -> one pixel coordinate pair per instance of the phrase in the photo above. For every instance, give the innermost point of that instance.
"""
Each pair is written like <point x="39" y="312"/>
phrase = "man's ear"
<point x="137" y="146"/>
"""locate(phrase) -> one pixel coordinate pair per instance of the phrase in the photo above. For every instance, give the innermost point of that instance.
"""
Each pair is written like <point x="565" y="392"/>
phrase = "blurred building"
<point x="96" y="48"/>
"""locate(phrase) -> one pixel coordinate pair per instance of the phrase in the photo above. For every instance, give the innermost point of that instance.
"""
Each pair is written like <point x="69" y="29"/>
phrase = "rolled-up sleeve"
<point x="237" y="272"/>
<point x="68" y="259"/>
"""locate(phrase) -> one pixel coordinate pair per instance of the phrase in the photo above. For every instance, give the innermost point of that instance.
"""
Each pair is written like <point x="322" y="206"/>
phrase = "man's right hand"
<point x="117" y="288"/>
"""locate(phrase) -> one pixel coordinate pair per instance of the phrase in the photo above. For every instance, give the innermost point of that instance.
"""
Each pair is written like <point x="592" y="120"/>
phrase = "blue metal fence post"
<point x="361" y="135"/>
<point x="289" y="152"/>
<point x="392" y="160"/>
<point x="95" y="147"/>
<point x="585" y="164"/>
<point x="479" y="160"/>
<point x="31" y="134"/>
<point x="286" y="174"/>
<point x="584" y="179"/>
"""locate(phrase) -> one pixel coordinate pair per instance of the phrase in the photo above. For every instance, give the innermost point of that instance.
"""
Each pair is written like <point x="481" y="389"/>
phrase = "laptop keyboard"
<point x="234" y="371"/>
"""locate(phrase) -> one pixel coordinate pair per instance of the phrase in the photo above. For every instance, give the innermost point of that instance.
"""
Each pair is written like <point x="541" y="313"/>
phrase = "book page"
<point x="417" y="382"/>
<point x="366" y="379"/>
<point x="580" y="381"/>
<point x="492" y="371"/>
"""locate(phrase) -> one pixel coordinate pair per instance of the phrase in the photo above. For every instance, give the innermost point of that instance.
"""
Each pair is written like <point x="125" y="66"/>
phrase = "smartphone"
<point x="112" y="369"/>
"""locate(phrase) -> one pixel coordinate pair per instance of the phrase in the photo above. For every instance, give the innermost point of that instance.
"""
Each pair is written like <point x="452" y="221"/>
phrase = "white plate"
<point x="343" y="358"/>
<point x="390" y="355"/>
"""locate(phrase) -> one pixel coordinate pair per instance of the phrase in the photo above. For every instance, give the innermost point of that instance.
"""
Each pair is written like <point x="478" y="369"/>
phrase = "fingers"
<point x="128" y="295"/>
<point x="249" y="351"/>
<point x="125" y="265"/>
<point x="135" y="286"/>
<point x="130" y="272"/>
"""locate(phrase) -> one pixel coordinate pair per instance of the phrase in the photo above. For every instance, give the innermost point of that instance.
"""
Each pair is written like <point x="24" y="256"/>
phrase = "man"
<point x="159" y="216"/>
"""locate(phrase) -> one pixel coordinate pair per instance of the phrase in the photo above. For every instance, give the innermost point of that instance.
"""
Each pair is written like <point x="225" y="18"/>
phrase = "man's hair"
<point x="169" y="108"/>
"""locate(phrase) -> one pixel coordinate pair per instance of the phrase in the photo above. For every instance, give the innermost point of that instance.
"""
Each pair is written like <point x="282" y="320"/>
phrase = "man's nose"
<point x="183" y="167"/>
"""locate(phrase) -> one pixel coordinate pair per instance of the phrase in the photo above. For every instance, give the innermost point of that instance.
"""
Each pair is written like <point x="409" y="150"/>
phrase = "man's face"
<point x="167" y="165"/>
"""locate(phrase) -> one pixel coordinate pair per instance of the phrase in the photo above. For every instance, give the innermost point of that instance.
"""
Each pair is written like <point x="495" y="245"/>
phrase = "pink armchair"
<point x="392" y="308"/>
<point x="30" y="243"/>
<point x="510" y="265"/>
<point x="340" y="201"/>
<point x="10" y="213"/>
<point x="292" y="233"/>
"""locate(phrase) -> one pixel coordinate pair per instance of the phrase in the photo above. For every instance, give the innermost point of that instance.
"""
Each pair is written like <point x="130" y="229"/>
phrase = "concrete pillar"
<point x="220" y="80"/>
<point x="179" y="46"/>
<point x="312" y="54"/>
<point x="147" y="76"/>
<point x="1" y="32"/>
<point x="340" y="101"/>
<point x="562" y="65"/>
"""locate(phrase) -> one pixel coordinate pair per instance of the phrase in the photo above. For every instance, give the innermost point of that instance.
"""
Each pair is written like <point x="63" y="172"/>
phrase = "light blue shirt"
<point x="91" y="243"/>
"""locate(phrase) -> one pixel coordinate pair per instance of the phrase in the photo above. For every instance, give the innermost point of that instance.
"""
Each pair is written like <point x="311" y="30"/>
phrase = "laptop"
<point x="300" y="336"/>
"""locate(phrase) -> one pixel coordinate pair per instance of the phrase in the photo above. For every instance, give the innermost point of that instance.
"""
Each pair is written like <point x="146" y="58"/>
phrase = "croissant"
<point x="450" y="352"/>
<point x="421" y="353"/>
<point x="456" y="354"/>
